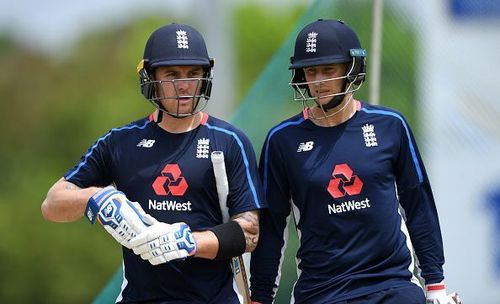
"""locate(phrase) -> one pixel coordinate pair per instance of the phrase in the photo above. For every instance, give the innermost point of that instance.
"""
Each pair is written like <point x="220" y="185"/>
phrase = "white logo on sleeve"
<point x="306" y="146"/>
<point x="146" y="143"/>
<point x="369" y="135"/>
<point x="182" y="40"/>
<point x="202" y="148"/>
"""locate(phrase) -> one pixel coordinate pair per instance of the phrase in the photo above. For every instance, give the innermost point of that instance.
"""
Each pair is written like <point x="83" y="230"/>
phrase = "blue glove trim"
<point x="110" y="213"/>
<point x="95" y="201"/>
<point x="185" y="233"/>
<point x="137" y="212"/>
<point x="98" y="196"/>
<point x="91" y="210"/>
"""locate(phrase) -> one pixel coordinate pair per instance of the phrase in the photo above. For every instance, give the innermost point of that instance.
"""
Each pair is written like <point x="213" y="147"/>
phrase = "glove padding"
<point x="120" y="217"/>
<point x="161" y="243"/>
<point x="436" y="294"/>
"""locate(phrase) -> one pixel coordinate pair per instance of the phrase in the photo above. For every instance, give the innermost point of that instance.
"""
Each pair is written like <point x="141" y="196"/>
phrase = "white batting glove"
<point x="161" y="243"/>
<point x="120" y="217"/>
<point x="436" y="294"/>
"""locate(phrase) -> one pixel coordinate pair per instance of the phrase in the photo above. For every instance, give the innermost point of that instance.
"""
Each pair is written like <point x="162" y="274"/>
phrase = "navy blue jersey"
<point x="345" y="186"/>
<point x="171" y="176"/>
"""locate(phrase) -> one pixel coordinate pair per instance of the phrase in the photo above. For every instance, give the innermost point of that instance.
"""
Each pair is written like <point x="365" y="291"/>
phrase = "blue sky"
<point x="50" y="25"/>
<point x="53" y="25"/>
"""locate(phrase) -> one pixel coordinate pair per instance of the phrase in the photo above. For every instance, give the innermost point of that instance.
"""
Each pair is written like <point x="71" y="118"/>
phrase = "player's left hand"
<point x="121" y="218"/>
<point x="161" y="243"/>
<point x="436" y="294"/>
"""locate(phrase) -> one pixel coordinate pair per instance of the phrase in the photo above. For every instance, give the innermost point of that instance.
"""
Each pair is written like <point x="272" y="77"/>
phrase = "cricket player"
<point x="151" y="183"/>
<point x="354" y="179"/>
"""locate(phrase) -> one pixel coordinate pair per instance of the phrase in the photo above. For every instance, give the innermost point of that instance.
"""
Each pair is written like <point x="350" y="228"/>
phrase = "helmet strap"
<point x="336" y="100"/>
<point x="159" y="116"/>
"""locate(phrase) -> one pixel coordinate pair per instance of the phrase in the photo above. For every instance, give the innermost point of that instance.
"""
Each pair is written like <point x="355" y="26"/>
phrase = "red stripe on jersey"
<point x="204" y="118"/>
<point x="358" y="105"/>
<point x="152" y="117"/>
<point x="305" y="113"/>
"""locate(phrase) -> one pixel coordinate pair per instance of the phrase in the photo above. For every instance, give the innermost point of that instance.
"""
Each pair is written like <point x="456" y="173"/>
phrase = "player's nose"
<point x="183" y="85"/>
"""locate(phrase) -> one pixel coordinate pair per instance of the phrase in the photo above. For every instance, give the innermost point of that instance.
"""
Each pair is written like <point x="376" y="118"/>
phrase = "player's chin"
<point x="185" y="102"/>
<point x="183" y="105"/>
<point x="323" y="100"/>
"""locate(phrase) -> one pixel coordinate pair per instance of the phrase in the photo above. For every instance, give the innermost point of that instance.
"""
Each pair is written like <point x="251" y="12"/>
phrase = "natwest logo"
<point x="344" y="182"/>
<point x="170" y="181"/>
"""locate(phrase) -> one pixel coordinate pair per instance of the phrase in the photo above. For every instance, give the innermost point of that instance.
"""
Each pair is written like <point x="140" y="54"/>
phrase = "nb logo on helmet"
<point x="311" y="42"/>
<point x="182" y="40"/>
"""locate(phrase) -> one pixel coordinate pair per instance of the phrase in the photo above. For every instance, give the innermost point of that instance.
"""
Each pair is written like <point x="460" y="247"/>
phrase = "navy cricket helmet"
<point x="327" y="42"/>
<point x="174" y="45"/>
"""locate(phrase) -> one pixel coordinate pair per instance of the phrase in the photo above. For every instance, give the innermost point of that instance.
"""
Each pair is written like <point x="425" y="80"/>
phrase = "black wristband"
<point x="231" y="238"/>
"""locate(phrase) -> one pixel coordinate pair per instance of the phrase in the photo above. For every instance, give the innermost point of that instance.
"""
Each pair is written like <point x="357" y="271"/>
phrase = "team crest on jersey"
<point x="170" y="181"/>
<point x="182" y="40"/>
<point x="311" y="42"/>
<point x="369" y="135"/>
<point x="202" y="148"/>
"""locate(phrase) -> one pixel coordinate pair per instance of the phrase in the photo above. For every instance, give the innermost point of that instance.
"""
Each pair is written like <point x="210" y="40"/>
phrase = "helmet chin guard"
<point x="197" y="102"/>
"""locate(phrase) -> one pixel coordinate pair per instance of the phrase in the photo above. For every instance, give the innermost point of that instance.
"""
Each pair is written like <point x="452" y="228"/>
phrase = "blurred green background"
<point x="52" y="108"/>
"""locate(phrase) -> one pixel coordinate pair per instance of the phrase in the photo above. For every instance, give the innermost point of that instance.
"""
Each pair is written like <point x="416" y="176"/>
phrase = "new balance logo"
<point x="369" y="135"/>
<point x="90" y="215"/>
<point x="306" y="146"/>
<point x="146" y="143"/>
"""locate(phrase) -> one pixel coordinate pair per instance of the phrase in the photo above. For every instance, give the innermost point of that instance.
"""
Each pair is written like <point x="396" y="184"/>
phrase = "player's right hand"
<point x="436" y="294"/>
<point x="161" y="243"/>
<point x="120" y="217"/>
<point x="452" y="298"/>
